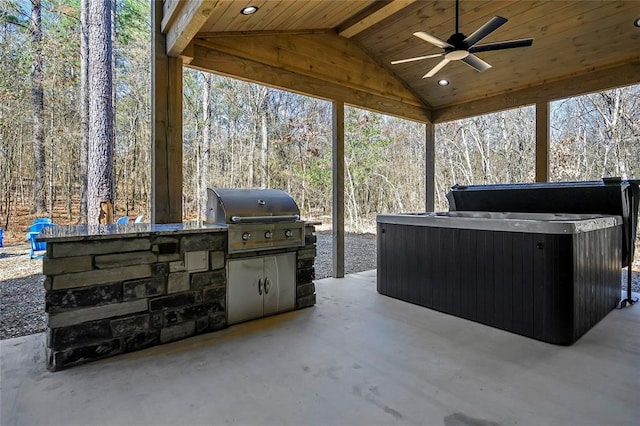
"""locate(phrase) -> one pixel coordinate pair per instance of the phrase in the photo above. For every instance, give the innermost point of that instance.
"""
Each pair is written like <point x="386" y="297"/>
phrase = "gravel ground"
<point x="360" y="252"/>
<point x="22" y="292"/>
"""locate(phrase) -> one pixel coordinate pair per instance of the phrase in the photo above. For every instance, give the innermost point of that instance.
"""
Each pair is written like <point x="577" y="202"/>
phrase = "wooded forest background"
<point x="238" y="134"/>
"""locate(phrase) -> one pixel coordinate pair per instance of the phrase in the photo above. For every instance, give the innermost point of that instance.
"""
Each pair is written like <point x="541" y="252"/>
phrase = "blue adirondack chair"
<point x="123" y="220"/>
<point x="42" y="220"/>
<point x="36" y="246"/>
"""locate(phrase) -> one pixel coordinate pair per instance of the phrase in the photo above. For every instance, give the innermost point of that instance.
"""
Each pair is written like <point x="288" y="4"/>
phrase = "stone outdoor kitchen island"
<point x="113" y="289"/>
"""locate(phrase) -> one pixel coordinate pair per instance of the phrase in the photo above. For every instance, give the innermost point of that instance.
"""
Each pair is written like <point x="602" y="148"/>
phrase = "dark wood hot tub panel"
<point x="545" y="286"/>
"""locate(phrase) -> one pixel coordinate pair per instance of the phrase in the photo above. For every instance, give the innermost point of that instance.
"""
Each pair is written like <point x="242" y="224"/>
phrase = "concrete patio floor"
<point x="356" y="358"/>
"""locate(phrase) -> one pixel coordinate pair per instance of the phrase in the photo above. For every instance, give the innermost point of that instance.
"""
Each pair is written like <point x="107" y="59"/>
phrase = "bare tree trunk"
<point x="251" y="160"/>
<point x="354" y="215"/>
<point x="38" y="109"/>
<point x="126" y="179"/>
<point x="609" y="112"/>
<point x="134" y="165"/>
<point x="234" y="134"/>
<point x="51" y="183"/>
<point x="84" y="107"/>
<point x="20" y="165"/>
<point x="206" y="143"/>
<point x="69" y="186"/>
<point x="302" y="164"/>
<point x="194" y="179"/>
<point x="264" y="158"/>
<point x="101" y="135"/>
<point x="113" y="95"/>
<point x="467" y="157"/>
<point x="198" y="182"/>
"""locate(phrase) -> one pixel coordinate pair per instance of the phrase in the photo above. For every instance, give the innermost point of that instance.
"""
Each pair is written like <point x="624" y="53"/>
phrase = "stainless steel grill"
<point x="258" y="219"/>
<point x="264" y="233"/>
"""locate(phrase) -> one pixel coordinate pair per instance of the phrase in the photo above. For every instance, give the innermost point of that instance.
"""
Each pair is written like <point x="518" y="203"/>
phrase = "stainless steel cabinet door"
<point x="280" y="285"/>
<point x="244" y="295"/>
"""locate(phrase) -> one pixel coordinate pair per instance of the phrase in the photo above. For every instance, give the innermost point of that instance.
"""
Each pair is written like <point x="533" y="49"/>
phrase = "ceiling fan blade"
<point x="492" y="25"/>
<point x="431" y="39"/>
<point x="437" y="68"/>
<point x="476" y="63"/>
<point x="500" y="45"/>
<point x="417" y="58"/>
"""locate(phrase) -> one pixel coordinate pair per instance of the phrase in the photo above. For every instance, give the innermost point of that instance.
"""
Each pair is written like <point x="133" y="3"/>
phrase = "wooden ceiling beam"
<point x="323" y="56"/>
<point x="227" y="34"/>
<point x="170" y="11"/>
<point x="373" y="16"/>
<point x="211" y="60"/>
<point x="192" y="17"/>
<point x="574" y="85"/>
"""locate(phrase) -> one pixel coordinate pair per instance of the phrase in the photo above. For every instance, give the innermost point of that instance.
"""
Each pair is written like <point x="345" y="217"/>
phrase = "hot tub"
<point x="550" y="276"/>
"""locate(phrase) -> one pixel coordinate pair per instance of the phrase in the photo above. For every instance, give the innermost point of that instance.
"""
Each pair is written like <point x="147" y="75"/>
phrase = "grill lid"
<point x="227" y="206"/>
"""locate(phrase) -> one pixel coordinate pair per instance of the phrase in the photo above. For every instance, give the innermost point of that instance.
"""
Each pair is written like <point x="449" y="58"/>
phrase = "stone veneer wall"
<point x="305" y="271"/>
<point x="107" y="297"/>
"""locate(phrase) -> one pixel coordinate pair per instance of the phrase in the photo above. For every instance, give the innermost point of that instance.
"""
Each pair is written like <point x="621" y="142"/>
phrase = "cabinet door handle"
<point x="267" y="285"/>
<point x="260" y="286"/>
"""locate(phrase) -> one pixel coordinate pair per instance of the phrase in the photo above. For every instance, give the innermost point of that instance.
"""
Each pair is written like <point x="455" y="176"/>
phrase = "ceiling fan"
<point x="462" y="48"/>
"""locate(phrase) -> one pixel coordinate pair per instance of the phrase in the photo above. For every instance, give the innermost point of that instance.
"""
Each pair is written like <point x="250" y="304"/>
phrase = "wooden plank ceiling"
<point x="343" y="50"/>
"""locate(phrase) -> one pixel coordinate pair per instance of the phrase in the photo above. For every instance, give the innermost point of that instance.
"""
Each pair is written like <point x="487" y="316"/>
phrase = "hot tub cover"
<point x="609" y="196"/>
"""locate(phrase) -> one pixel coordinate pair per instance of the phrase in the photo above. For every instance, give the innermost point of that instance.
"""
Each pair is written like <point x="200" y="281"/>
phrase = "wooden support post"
<point x="338" y="189"/>
<point x="166" y="110"/>
<point x="430" y="162"/>
<point x="542" y="141"/>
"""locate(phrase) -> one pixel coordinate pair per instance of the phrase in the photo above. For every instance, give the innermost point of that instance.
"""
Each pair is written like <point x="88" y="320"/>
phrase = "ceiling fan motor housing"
<point x="459" y="51"/>
<point x="457" y="41"/>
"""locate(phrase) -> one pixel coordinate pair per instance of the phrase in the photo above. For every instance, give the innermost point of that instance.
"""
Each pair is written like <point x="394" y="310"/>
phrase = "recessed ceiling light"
<point x="636" y="22"/>
<point x="443" y="82"/>
<point x="249" y="10"/>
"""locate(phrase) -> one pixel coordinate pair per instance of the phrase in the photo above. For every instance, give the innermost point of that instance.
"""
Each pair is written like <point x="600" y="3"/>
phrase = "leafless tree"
<point x="264" y="136"/>
<point x="205" y="146"/>
<point x="37" y="91"/>
<point x="84" y="107"/>
<point x="100" y="181"/>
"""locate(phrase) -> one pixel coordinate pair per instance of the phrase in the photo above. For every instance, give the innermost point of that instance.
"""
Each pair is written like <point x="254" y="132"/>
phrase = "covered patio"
<point x="342" y="51"/>
<point x="356" y="358"/>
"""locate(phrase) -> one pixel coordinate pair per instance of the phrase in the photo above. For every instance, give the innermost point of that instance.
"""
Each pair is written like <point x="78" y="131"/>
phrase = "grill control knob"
<point x="268" y="235"/>
<point x="288" y="233"/>
<point x="246" y="236"/>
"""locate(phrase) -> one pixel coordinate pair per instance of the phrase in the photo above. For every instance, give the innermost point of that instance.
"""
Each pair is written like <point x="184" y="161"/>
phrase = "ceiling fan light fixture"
<point x="636" y="22"/>
<point x="443" y="82"/>
<point x="249" y="10"/>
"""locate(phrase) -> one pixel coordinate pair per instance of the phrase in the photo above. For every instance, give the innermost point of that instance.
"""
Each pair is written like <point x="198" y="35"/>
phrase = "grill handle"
<point x="288" y="217"/>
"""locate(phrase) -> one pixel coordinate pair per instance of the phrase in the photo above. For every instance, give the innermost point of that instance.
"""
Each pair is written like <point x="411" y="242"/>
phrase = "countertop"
<point x="105" y="232"/>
